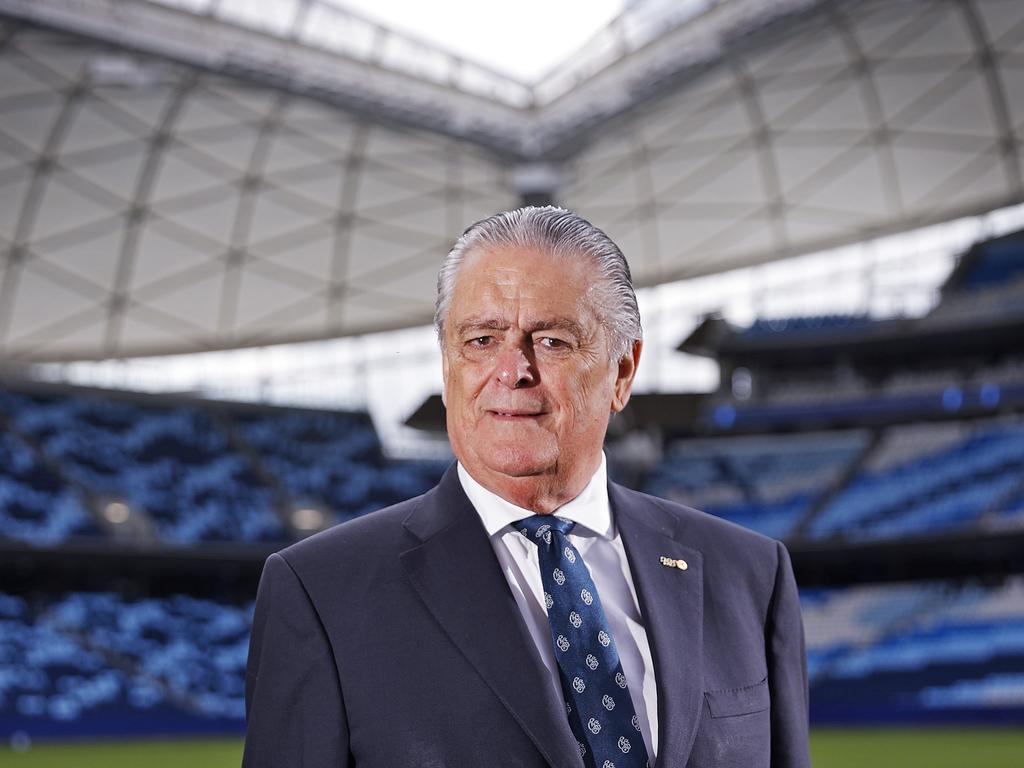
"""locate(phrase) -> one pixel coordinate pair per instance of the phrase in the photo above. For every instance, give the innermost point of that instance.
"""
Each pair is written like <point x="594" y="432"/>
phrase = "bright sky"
<point x="522" y="38"/>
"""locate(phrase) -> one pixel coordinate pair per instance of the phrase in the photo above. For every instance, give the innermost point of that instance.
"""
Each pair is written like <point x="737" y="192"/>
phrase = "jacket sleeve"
<point x="294" y="712"/>
<point x="787" y="670"/>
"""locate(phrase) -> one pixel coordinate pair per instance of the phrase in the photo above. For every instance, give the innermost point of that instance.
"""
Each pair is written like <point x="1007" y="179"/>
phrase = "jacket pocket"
<point x="739" y="701"/>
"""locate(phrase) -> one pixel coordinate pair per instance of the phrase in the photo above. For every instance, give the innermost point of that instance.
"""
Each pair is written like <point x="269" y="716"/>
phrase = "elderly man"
<point x="527" y="612"/>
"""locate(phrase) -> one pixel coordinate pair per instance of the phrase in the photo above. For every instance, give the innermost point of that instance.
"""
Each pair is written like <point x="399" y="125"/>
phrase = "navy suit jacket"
<point x="393" y="640"/>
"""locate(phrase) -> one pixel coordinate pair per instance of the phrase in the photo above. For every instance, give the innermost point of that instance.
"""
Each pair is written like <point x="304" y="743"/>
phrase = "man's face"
<point x="528" y="379"/>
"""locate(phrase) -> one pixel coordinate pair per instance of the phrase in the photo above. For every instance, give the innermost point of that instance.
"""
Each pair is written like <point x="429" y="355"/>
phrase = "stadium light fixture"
<point x="117" y="512"/>
<point x="308" y="519"/>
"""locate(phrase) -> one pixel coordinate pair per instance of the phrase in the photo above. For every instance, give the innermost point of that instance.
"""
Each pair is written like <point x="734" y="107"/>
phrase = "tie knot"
<point x="534" y="528"/>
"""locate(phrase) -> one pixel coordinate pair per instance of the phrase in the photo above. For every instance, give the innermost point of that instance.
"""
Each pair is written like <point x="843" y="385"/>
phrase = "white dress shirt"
<point x="598" y="541"/>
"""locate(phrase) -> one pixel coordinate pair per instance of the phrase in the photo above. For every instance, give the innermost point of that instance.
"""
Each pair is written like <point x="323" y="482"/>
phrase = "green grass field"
<point x="853" y="748"/>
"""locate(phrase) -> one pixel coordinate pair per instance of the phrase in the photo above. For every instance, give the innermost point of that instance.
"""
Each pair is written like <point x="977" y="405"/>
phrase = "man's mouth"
<point x="514" y="414"/>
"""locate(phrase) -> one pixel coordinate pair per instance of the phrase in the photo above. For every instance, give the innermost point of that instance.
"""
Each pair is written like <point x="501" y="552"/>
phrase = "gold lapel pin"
<point x="671" y="562"/>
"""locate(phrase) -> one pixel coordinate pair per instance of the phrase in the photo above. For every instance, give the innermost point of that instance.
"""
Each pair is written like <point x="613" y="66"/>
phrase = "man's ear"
<point x="444" y="377"/>
<point x="624" y="375"/>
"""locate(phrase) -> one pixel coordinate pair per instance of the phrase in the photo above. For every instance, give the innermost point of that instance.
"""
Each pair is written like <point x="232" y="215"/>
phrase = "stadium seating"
<point x="94" y="663"/>
<point x="35" y="504"/>
<point x="808" y="324"/>
<point x="189" y="472"/>
<point x="196" y="472"/>
<point x="928" y="478"/>
<point x="1000" y="690"/>
<point x="725" y="414"/>
<point x="808" y="389"/>
<point x="331" y="460"/>
<point x="169" y="463"/>
<point x="918" y="478"/>
<point x="916" y="652"/>
<point x="767" y="483"/>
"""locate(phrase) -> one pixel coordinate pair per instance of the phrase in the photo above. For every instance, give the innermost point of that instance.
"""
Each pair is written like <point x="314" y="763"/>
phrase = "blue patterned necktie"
<point x="600" y="711"/>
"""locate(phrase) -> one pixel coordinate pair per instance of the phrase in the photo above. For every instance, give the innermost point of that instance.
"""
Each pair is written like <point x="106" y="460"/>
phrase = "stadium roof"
<point x="187" y="175"/>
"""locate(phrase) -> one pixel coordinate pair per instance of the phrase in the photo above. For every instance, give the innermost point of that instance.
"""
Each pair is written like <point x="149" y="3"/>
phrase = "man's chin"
<point x="520" y="463"/>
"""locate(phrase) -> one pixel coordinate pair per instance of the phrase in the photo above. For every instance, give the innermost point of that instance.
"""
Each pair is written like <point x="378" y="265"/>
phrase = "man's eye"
<point x="480" y="341"/>
<point x="552" y="343"/>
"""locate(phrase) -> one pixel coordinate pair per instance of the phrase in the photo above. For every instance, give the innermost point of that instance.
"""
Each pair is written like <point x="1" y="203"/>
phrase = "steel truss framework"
<point x="150" y="204"/>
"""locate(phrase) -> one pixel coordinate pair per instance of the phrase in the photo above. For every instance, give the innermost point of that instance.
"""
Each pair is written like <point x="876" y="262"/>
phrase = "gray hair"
<point x="559" y="232"/>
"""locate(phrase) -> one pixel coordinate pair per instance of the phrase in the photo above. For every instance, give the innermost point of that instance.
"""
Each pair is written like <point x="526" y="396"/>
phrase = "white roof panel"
<point x="173" y="182"/>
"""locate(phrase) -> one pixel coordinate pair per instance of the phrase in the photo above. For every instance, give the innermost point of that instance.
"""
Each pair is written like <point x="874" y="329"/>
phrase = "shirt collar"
<point x="590" y="509"/>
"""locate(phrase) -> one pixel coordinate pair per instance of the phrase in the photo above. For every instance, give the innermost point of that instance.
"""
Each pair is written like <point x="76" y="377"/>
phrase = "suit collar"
<point x="443" y="505"/>
<point x="671" y="603"/>
<point x="590" y="509"/>
<point x="457" y="576"/>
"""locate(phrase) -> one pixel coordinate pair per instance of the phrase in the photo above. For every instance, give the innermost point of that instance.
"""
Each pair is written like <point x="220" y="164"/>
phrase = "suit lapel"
<point x="671" y="602"/>
<point x="457" y="576"/>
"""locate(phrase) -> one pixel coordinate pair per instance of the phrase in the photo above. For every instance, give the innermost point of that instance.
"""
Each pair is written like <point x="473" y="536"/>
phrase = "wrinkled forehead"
<point x="531" y="281"/>
<point x="526" y="267"/>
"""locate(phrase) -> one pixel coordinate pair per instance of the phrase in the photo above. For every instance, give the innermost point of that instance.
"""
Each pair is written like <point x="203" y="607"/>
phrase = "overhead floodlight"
<point x="117" y="512"/>
<point x="308" y="519"/>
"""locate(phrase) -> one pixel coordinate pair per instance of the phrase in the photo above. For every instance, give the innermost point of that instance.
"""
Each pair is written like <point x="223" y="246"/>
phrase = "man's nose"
<point x="515" y="369"/>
